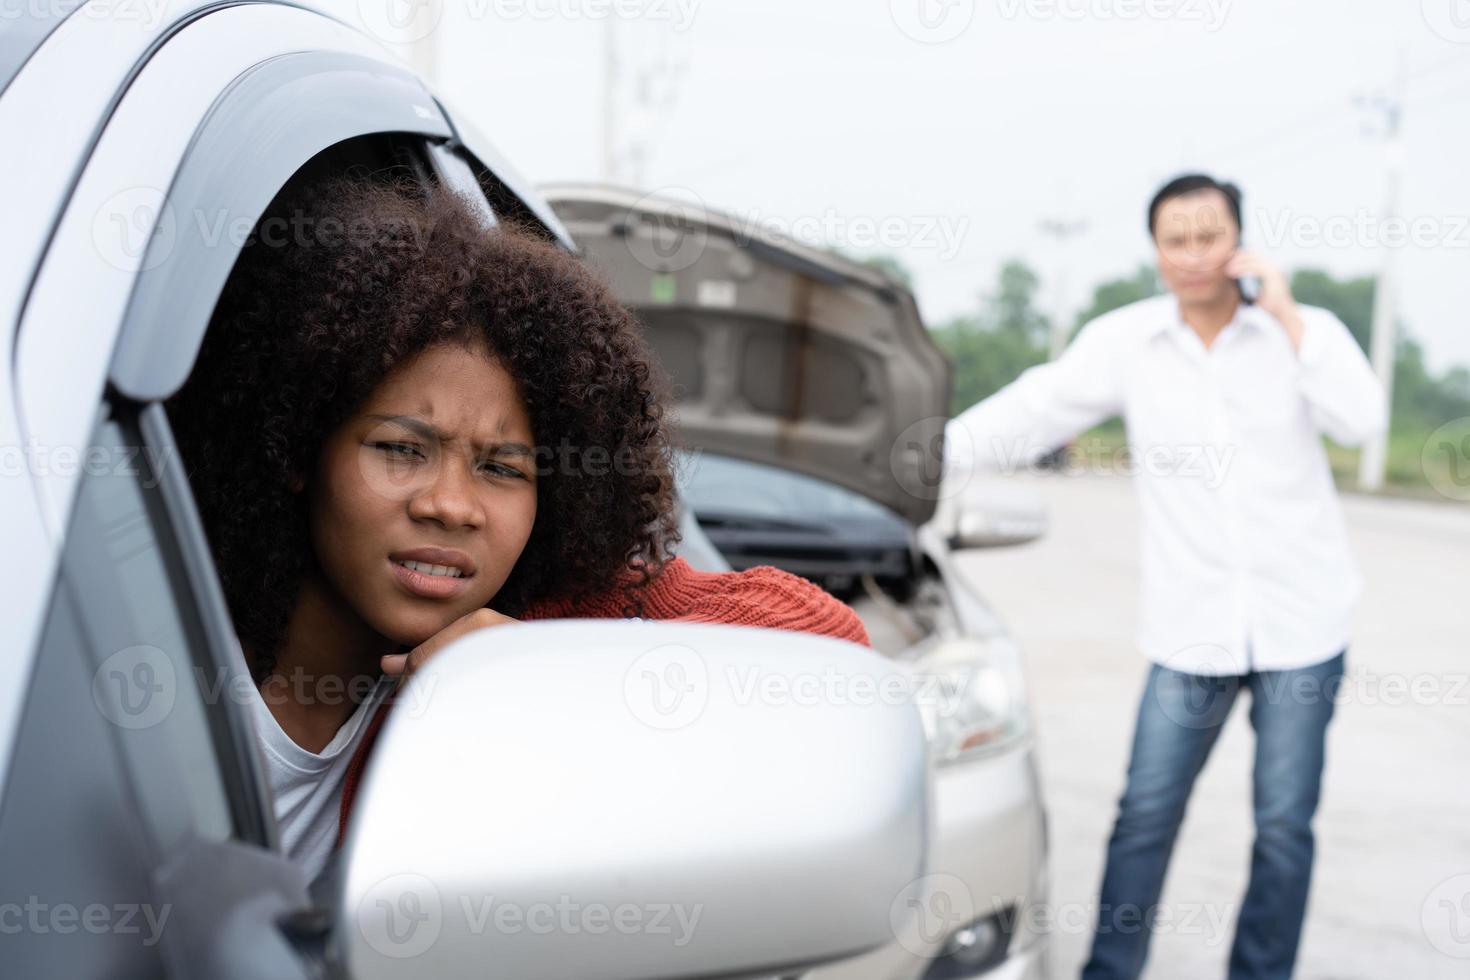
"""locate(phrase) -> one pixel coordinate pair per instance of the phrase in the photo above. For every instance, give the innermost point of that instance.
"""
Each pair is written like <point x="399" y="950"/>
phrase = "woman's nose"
<point x="449" y="498"/>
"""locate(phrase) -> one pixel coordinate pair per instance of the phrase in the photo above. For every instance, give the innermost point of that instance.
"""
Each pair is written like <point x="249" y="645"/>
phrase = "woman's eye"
<point x="402" y="449"/>
<point x="500" y="469"/>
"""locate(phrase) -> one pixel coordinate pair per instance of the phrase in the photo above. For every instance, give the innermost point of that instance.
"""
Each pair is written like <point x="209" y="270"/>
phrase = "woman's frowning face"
<point x="424" y="499"/>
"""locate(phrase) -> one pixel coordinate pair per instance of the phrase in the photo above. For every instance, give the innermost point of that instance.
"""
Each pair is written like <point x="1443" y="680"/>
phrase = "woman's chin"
<point x="409" y="630"/>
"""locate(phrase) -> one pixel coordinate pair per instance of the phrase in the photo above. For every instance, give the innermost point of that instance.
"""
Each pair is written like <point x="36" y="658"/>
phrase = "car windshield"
<point x="714" y="484"/>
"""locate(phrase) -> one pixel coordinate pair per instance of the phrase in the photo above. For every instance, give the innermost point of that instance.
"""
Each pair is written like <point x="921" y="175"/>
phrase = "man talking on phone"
<point x="1247" y="580"/>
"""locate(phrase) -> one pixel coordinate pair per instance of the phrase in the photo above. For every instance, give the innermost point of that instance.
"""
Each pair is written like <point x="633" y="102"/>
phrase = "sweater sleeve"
<point x="763" y="596"/>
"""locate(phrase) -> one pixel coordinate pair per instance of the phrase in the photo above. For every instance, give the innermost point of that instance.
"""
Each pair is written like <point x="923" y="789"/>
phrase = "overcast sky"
<point x="944" y="131"/>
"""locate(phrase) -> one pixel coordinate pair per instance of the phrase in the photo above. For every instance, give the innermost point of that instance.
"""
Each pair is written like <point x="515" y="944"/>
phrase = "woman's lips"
<point x="429" y="586"/>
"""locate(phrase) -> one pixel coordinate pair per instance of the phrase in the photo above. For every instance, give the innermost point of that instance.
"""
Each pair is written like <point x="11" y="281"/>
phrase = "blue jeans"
<point x="1178" y="721"/>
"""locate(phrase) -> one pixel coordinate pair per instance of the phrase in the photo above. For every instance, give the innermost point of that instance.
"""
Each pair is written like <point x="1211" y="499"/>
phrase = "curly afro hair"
<point x="348" y="277"/>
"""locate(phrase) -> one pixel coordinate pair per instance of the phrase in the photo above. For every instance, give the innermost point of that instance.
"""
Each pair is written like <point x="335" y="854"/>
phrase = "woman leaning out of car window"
<point x="403" y="427"/>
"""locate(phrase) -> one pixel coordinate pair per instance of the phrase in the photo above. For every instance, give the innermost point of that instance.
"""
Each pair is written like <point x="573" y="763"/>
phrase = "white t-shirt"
<point x="307" y="786"/>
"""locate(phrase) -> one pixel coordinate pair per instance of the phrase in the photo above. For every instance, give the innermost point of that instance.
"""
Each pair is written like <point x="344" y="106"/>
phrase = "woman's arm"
<point x="762" y="596"/>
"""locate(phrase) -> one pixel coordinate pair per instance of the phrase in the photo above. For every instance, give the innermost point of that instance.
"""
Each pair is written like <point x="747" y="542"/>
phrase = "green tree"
<point x="984" y="359"/>
<point x="1116" y="293"/>
<point x="1011" y="308"/>
<point x="1421" y="401"/>
<point x="1350" y="299"/>
<point x="989" y="349"/>
<point x="895" y="269"/>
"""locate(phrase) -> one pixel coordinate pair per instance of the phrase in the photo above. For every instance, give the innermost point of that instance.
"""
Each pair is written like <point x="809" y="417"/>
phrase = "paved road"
<point x="1395" y="818"/>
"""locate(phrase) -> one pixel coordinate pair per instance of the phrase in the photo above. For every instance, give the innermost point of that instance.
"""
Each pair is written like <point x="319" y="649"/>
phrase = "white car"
<point x="137" y="836"/>
<point x="812" y="403"/>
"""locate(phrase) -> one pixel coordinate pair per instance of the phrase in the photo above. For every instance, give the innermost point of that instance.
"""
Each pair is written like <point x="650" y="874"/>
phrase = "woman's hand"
<point x="401" y="665"/>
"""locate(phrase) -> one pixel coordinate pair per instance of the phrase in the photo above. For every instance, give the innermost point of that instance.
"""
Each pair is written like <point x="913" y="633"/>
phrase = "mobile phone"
<point x="1249" y="287"/>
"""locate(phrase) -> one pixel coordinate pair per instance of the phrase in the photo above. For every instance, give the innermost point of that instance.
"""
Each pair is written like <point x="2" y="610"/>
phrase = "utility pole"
<point x="1374" y="458"/>
<point x="1062" y="231"/>
<point x="630" y="120"/>
<point x="610" y="70"/>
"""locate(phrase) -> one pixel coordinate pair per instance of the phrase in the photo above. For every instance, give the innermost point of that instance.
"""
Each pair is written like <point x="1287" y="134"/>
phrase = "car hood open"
<point x="778" y="352"/>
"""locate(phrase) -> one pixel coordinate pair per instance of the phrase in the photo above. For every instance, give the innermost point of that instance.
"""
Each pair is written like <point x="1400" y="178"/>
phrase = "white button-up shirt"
<point x="1245" y="561"/>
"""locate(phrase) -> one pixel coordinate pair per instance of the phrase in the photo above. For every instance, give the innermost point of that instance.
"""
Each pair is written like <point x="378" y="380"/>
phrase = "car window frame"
<point x="313" y="100"/>
<point x="177" y="522"/>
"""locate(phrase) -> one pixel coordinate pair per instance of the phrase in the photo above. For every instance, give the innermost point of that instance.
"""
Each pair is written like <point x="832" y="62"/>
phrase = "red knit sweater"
<point x="761" y="596"/>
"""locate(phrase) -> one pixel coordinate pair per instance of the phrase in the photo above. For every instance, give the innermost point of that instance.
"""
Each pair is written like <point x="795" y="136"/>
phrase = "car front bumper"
<point x="988" y="855"/>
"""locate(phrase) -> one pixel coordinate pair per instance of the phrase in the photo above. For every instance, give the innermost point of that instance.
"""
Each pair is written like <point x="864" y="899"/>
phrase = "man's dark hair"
<point x="1191" y="184"/>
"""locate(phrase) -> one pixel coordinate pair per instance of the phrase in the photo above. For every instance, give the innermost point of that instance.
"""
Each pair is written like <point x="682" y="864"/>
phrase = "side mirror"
<point x="995" y="515"/>
<point x="614" y="800"/>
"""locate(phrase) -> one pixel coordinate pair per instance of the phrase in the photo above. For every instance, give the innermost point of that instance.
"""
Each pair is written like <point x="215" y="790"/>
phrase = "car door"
<point x="135" y="829"/>
<point x="134" y="810"/>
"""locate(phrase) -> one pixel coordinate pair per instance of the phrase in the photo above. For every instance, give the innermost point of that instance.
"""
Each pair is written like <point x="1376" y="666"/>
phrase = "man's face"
<point x="1195" y="235"/>
<point x="436" y="469"/>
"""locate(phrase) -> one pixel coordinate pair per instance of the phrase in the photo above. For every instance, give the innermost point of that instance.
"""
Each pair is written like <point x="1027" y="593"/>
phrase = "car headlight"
<point x="971" y="693"/>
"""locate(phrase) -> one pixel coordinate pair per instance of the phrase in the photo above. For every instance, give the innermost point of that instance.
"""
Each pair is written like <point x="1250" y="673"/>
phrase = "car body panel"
<point x="761" y="866"/>
<point x="275" y="115"/>
<point x="102" y="145"/>
<point x="988" y="854"/>
<point x="779" y="353"/>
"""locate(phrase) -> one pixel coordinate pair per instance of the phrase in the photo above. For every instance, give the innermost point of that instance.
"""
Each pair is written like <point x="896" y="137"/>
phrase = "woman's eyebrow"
<point x="509" y="449"/>
<point x="412" y="423"/>
<point x="424" y="430"/>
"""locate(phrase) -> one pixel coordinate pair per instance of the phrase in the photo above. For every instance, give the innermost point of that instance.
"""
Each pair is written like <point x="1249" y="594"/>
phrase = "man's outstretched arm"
<point x="1045" y="407"/>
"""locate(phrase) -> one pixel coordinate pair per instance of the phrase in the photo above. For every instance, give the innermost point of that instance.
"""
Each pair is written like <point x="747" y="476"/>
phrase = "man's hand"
<point x="1275" y="296"/>
<point x="401" y="665"/>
